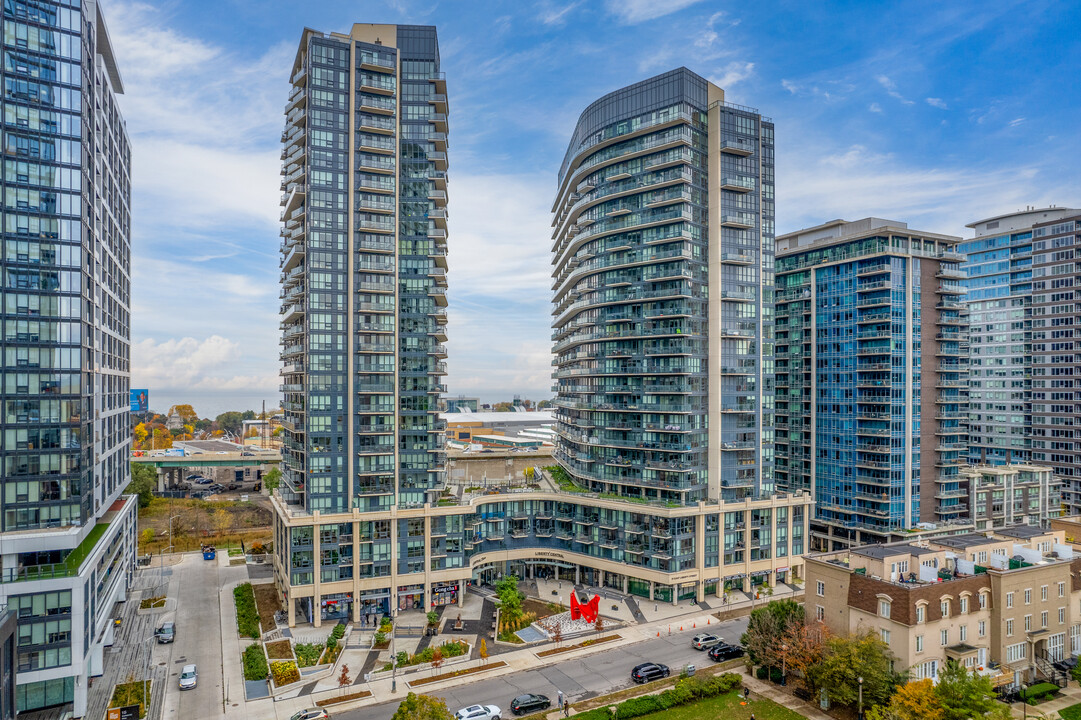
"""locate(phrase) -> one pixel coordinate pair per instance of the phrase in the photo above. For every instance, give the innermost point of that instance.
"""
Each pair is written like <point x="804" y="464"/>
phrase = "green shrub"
<point x="380" y="638"/>
<point x="335" y="635"/>
<point x="761" y="673"/>
<point x="775" y="675"/>
<point x="1038" y="691"/>
<point x="255" y="665"/>
<point x="307" y="654"/>
<point x="247" y="617"/>
<point x="637" y="707"/>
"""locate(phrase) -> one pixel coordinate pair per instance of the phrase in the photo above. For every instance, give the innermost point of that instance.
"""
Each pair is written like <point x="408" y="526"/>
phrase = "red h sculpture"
<point x="587" y="611"/>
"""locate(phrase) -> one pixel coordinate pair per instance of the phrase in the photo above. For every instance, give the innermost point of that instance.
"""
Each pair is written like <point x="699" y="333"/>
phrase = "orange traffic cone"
<point x="707" y="621"/>
<point x="695" y="625"/>
<point x="681" y="628"/>
<point x="658" y="633"/>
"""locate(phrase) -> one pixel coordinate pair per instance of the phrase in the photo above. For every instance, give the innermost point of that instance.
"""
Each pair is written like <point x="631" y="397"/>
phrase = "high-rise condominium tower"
<point x="998" y="291"/>
<point x="66" y="534"/>
<point x="872" y="390"/>
<point x="363" y="295"/>
<point x="663" y="295"/>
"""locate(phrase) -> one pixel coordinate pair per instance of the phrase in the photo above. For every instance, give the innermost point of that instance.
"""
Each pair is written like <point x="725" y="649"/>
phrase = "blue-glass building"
<point x="66" y="532"/>
<point x="871" y="370"/>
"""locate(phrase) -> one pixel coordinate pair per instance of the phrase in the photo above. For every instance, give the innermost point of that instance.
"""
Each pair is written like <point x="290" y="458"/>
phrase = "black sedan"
<point x="723" y="651"/>
<point x="647" y="672"/>
<point x="529" y="703"/>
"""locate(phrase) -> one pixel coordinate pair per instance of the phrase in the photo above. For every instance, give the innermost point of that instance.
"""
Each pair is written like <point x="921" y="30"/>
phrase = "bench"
<point x="457" y="627"/>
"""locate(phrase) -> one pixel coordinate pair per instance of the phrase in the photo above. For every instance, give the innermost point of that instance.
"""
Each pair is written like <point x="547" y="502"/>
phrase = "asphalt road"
<point x="195" y="584"/>
<point x="593" y="675"/>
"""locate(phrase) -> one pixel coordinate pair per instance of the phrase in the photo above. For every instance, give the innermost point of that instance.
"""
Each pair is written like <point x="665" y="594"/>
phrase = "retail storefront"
<point x="411" y="597"/>
<point x="337" y="606"/>
<point x="375" y="604"/>
<point x="445" y="594"/>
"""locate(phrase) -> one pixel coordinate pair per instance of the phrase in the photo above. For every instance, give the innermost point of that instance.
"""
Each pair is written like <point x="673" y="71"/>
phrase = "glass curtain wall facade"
<point x="1056" y="352"/>
<point x="364" y="172"/>
<point x="663" y="262"/>
<point x="66" y="334"/>
<point x="871" y="378"/>
<point x="998" y="291"/>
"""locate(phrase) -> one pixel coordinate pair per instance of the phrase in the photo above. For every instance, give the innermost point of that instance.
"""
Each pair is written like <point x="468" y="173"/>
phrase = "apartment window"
<point x="944" y="606"/>
<point x="981" y="628"/>
<point x="1028" y="623"/>
<point x="1062" y="589"/>
<point x="944" y="637"/>
<point x="885" y="636"/>
<point x="1043" y="593"/>
<point x="964" y="633"/>
<point x="919" y="643"/>
<point x="1043" y="619"/>
<point x="821" y="589"/>
<point x="1028" y="596"/>
<point x="983" y="601"/>
<point x="963" y="605"/>
<point x="921" y="613"/>
<point x="820" y="612"/>
<point x="1009" y="599"/>
<point x="884" y="608"/>
<point x="1062" y="616"/>
<point x="1009" y="627"/>
<point x="1015" y="652"/>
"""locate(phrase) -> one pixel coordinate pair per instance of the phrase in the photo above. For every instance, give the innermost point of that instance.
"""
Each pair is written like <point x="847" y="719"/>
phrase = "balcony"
<point x="738" y="184"/>
<point x="739" y="220"/>
<point x="379" y="105"/>
<point x="743" y="148"/>
<point x="377" y="124"/>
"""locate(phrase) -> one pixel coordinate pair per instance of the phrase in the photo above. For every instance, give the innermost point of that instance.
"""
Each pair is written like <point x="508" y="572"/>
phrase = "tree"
<point x="503" y="407"/>
<point x="252" y="432"/>
<point x="184" y="412"/>
<point x="146" y="536"/>
<point x="766" y="629"/>
<point x="557" y="634"/>
<point x="510" y="598"/>
<point x="343" y="678"/>
<point x="963" y="694"/>
<point x="422" y="707"/>
<point x="437" y="659"/>
<point x="483" y="650"/>
<point x="230" y="421"/>
<point x="140" y="434"/>
<point x="803" y="645"/>
<point x="162" y="440"/>
<point x="916" y="700"/>
<point x="544" y="404"/>
<point x="223" y="520"/>
<point x="143" y="481"/>
<point x="247" y="415"/>
<point x="272" y="478"/>
<point x="847" y="658"/>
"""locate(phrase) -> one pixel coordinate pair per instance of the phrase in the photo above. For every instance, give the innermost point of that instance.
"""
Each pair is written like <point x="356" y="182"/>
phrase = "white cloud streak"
<point x="891" y="89"/>
<point x="632" y="12"/>
<point x="936" y="103"/>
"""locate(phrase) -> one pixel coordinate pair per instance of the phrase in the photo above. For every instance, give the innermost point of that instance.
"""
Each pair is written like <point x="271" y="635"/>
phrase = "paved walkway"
<point x="1069" y="695"/>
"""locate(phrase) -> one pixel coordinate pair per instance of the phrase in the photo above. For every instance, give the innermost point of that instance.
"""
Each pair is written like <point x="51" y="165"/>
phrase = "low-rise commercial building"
<point x="1006" y="603"/>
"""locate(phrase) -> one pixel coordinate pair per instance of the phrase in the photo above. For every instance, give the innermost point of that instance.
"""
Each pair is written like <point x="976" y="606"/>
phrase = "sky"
<point x="937" y="114"/>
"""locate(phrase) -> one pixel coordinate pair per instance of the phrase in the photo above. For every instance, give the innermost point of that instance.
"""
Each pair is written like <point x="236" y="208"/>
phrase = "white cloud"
<point x="632" y="12"/>
<point x="891" y="89"/>
<point x="733" y="73"/>
<point x="187" y="364"/>
<point x="551" y="14"/>
<point x="1016" y="121"/>
<point x="790" y="86"/>
<point x="936" y="102"/>
<point x="875" y="108"/>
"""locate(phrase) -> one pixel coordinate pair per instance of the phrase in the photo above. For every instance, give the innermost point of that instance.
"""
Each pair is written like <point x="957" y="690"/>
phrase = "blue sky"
<point x="934" y="113"/>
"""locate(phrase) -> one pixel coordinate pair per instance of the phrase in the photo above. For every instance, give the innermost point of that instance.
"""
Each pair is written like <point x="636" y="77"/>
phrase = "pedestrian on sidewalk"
<point x="746" y="693"/>
<point x="559" y="701"/>
<point x="566" y="708"/>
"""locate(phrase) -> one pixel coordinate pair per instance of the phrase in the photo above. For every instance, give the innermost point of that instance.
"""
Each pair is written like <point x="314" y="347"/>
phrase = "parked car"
<point x="192" y="477"/>
<point x="647" y="672"/>
<point x="529" y="703"/>
<point x="310" y="714"/>
<point x="724" y="651"/>
<point x="166" y="633"/>
<point x="247" y="454"/>
<point x="204" y="480"/>
<point x="189" y="677"/>
<point x="216" y="487"/>
<point x="232" y="486"/>
<point x="704" y="641"/>
<point x="478" y="712"/>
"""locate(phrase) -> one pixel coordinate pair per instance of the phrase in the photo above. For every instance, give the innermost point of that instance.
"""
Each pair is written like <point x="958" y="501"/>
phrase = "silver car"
<point x="478" y="712"/>
<point x="189" y="677"/>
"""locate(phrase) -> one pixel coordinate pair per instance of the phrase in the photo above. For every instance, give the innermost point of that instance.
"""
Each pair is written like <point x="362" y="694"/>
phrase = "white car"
<point x="189" y="677"/>
<point x="478" y="712"/>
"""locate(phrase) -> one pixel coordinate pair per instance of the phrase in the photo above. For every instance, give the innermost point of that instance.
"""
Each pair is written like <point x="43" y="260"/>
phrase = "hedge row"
<point x="247" y="617"/>
<point x="255" y="665"/>
<point x="686" y="690"/>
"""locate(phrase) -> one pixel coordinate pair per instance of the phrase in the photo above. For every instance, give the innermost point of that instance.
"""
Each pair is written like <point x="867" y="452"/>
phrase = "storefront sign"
<point x="543" y="553"/>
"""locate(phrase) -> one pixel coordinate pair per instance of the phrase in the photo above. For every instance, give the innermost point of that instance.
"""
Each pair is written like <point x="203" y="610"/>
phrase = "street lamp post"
<point x="161" y="565"/>
<point x="860" y="681"/>
<point x="174" y="517"/>
<point x="393" y="648"/>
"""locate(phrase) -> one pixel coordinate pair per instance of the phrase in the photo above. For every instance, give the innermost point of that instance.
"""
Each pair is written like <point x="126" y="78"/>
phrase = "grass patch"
<point x="255" y="665"/>
<point x="279" y="650"/>
<point x="344" y="698"/>
<point x="267" y="603"/>
<point x="308" y="654"/>
<point x="236" y="552"/>
<point x="130" y="693"/>
<point x="1073" y="712"/>
<point x="75" y="557"/>
<point x="247" y="621"/>
<point x="152" y="602"/>
<point x="655" y="686"/>
<point x="456" y="673"/>
<point x="729" y="707"/>
<point x="578" y="646"/>
<point x="508" y="636"/>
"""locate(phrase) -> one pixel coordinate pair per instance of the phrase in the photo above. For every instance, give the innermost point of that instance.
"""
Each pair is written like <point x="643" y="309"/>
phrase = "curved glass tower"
<point x="662" y="282"/>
